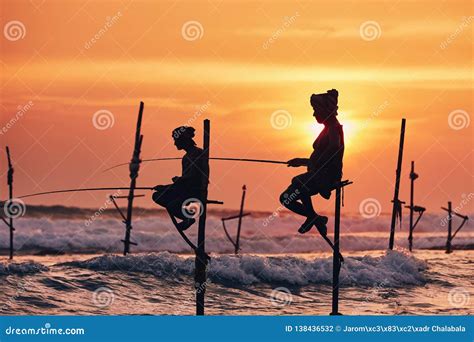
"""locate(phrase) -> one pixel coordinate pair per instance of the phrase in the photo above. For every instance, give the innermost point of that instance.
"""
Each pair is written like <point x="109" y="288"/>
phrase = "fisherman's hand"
<point x="157" y="187"/>
<point x="297" y="162"/>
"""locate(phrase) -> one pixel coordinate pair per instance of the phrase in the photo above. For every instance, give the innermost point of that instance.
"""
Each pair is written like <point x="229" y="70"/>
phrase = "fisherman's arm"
<point x="297" y="162"/>
<point x="190" y="175"/>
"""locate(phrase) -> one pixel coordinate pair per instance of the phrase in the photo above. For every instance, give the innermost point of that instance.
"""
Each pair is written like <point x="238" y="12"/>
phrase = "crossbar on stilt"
<point x="413" y="208"/>
<point x="451" y="235"/>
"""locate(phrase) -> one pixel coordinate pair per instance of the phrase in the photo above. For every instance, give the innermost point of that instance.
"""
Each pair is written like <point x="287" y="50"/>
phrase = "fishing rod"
<point x="268" y="161"/>
<point x="85" y="189"/>
<point x="10" y="196"/>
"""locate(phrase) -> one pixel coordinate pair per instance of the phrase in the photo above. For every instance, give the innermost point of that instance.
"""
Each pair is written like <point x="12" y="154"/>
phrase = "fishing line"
<point x="266" y="161"/>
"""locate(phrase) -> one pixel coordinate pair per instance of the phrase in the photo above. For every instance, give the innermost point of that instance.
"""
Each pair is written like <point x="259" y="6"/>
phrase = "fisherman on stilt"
<point x="186" y="187"/>
<point x="324" y="166"/>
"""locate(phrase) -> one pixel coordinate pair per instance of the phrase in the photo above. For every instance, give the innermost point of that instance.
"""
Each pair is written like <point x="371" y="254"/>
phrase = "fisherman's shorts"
<point x="172" y="196"/>
<point x="312" y="183"/>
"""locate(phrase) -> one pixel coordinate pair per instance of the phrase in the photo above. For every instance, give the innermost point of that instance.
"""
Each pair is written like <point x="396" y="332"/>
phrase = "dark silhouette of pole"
<point x="336" y="263"/>
<point x="224" y="219"/>
<point x="451" y="235"/>
<point x="134" y="167"/>
<point x="241" y="213"/>
<point x="413" y="176"/>
<point x="396" y="202"/>
<point x="336" y="256"/>
<point x="201" y="256"/>
<point x="10" y="196"/>
<point x="450" y="219"/>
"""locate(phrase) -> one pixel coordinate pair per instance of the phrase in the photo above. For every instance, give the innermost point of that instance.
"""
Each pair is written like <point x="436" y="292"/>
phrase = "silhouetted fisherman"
<point x="189" y="185"/>
<point x="324" y="166"/>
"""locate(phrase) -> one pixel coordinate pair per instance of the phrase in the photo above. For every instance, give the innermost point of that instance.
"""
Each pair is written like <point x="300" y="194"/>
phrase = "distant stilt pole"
<point x="241" y="213"/>
<point x="336" y="261"/>
<point x="413" y="176"/>
<point x="450" y="225"/>
<point x="201" y="257"/>
<point x="396" y="202"/>
<point x="10" y="196"/>
<point x="134" y="167"/>
<point x="452" y="235"/>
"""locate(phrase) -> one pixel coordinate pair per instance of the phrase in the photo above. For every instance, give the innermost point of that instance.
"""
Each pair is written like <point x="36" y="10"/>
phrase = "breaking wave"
<point x="154" y="233"/>
<point x="394" y="269"/>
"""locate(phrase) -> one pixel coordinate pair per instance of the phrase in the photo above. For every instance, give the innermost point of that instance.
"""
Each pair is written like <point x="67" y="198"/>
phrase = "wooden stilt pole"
<point x="134" y="167"/>
<point x="451" y="235"/>
<point x="336" y="261"/>
<point x="450" y="225"/>
<point x="396" y="202"/>
<point x="241" y="213"/>
<point x="201" y="257"/>
<point x="413" y="176"/>
<point x="10" y="196"/>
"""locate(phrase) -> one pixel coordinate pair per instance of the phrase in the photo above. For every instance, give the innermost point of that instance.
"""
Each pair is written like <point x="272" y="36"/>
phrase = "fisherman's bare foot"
<point x="307" y="225"/>
<point x="185" y="224"/>
<point x="320" y="223"/>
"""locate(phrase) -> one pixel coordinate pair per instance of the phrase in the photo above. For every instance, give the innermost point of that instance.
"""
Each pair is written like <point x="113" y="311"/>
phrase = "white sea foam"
<point x="29" y="267"/>
<point x="394" y="269"/>
<point x="154" y="233"/>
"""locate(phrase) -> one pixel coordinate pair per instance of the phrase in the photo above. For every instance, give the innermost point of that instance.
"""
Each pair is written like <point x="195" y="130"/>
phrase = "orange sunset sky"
<point x="237" y="63"/>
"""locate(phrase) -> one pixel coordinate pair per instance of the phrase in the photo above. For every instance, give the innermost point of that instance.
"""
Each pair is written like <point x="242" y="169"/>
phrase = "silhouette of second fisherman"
<point x="324" y="166"/>
<point x="174" y="197"/>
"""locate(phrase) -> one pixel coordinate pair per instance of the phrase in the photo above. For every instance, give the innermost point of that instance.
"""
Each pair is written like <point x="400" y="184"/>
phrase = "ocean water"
<point x="69" y="263"/>
<point x="375" y="283"/>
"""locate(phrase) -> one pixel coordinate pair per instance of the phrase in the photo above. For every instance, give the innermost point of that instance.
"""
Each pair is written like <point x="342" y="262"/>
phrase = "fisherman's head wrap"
<point x="326" y="101"/>
<point x="183" y="132"/>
